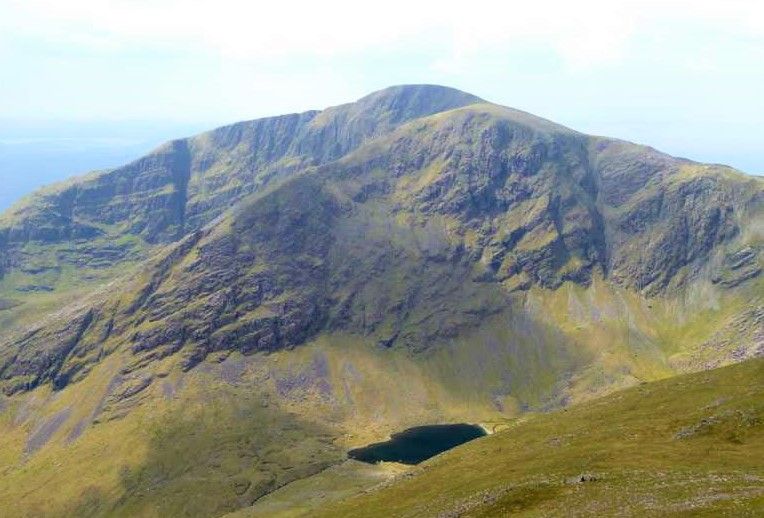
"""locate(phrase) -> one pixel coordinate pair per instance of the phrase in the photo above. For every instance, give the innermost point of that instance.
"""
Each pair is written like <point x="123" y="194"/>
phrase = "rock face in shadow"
<point x="409" y="216"/>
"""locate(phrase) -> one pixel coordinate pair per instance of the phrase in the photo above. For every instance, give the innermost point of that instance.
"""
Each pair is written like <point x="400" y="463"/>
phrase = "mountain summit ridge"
<point x="272" y="137"/>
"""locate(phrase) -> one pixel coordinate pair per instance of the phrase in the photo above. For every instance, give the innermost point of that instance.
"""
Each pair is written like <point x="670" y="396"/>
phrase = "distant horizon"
<point x="683" y="77"/>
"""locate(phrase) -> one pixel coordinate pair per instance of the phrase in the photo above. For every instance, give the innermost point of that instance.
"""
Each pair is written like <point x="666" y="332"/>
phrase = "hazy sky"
<point x="684" y="76"/>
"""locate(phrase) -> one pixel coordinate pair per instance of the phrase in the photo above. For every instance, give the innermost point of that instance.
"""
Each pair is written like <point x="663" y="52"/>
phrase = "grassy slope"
<point x="214" y="439"/>
<point x="199" y="445"/>
<point x="692" y="443"/>
<point x="63" y="281"/>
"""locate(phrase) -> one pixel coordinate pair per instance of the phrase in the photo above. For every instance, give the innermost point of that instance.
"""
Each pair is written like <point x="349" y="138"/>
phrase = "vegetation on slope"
<point x="690" y="444"/>
<point x="198" y="445"/>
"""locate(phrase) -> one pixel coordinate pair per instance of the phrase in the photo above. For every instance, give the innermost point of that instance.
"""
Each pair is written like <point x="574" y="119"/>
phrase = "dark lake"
<point x="415" y="445"/>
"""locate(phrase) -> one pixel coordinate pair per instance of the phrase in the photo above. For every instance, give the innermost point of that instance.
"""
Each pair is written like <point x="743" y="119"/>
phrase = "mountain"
<point x="235" y="310"/>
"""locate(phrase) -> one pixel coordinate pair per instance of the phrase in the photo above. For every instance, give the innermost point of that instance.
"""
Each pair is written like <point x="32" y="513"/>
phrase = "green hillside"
<point x="691" y="445"/>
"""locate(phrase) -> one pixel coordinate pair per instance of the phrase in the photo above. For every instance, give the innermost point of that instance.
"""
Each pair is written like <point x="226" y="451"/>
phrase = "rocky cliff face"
<point x="187" y="183"/>
<point x="410" y="216"/>
<point x="199" y="177"/>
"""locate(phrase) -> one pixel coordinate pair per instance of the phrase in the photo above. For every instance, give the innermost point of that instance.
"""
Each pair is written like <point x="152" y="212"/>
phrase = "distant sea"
<point x="36" y="154"/>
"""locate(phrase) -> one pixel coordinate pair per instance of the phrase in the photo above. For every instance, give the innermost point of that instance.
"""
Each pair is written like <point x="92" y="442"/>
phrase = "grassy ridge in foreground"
<point x="687" y="445"/>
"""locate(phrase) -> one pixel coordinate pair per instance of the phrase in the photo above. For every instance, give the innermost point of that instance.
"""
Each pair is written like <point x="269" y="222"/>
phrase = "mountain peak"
<point x="432" y="92"/>
<point x="415" y="100"/>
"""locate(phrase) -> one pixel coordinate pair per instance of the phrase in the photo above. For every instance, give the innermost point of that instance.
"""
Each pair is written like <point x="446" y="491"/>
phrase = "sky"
<point x="686" y="77"/>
